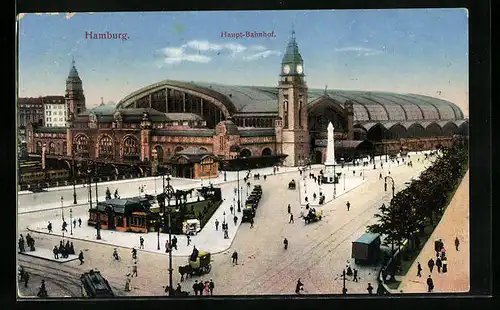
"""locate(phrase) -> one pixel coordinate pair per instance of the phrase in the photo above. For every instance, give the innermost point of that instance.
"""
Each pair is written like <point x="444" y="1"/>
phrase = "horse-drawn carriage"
<point x="199" y="263"/>
<point x="291" y="185"/>
<point x="313" y="216"/>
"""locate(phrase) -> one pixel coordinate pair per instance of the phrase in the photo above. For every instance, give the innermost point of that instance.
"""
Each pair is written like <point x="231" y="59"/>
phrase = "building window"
<point x="106" y="147"/>
<point x="285" y="113"/>
<point x="81" y="144"/>
<point x="131" y="150"/>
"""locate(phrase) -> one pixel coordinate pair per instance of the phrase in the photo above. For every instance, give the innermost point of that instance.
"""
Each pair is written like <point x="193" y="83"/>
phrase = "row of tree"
<point x="419" y="204"/>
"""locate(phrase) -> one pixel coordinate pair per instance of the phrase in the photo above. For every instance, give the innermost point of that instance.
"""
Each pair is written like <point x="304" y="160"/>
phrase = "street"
<point x="317" y="252"/>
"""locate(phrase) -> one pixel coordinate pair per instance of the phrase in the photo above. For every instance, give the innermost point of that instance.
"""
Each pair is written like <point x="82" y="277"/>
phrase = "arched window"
<point x="106" y="147"/>
<point x="178" y="149"/>
<point x="159" y="153"/>
<point x="203" y="149"/>
<point x="266" y="152"/>
<point x="52" y="148"/>
<point x="245" y="153"/>
<point x="39" y="147"/>
<point x="300" y="113"/>
<point x="285" y="113"/>
<point x="131" y="149"/>
<point x="81" y="145"/>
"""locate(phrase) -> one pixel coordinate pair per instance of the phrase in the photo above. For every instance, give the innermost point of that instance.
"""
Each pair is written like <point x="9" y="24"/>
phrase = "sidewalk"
<point x="208" y="239"/>
<point x="47" y="254"/>
<point x="454" y="223"/>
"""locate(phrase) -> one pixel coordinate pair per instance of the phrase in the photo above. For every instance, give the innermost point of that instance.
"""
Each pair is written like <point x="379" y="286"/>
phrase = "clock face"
<point x="300" y="69"/>
<point x="286" y="69"/>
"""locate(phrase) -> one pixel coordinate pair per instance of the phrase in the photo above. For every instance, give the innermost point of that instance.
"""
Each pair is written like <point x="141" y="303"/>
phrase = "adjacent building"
<point x="55" y="111"/>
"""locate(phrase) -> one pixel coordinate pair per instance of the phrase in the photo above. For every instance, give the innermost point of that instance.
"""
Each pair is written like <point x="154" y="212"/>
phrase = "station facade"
<point x="156" y="122"/>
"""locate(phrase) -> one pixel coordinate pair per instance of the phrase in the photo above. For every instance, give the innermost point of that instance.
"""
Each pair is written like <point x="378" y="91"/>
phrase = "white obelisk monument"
<point x="330" y="155"/>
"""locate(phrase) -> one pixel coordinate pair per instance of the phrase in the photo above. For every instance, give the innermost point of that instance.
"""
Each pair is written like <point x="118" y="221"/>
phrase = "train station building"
<point x="287" y="121"/>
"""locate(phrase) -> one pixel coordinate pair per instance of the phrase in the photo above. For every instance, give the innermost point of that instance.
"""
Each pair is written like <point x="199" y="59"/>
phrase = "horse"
<point x="186" y="270"/>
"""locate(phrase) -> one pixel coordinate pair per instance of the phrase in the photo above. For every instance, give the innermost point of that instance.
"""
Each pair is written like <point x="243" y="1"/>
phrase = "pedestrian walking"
<point x="56" y="252"/>
<point x="251" y="222"/>
<point x="235" y="257"/>
<point x="439" y="264"/>
<point x="231" y="209"/>
<point x="79" y="222"/>
<point x="195" y="287"/>
<point x="430" y="264"/>
<point x="216" y="224"/>
<point x="42" y="292"/>
<point x="291" y="218"/>
<point x="26" y="278"/>
<point x="299" y="286"/>
<point x="235" y="219"/>
<point x="445" y="265"/>
<point x="369" y="288"/>
<point x="21" y="244"/>
<point x="141" y="242"/>
<point x="457" y="243"/>
<point x="134" y="269"/>
<point x="80" y="257"/>
<point x="211" y="286"/>
<point x="201" y="286"/>
<point x="207" y="288"/>
<point x="49" y="227"/>
<point x="174" y="243"/>
<point x="430" y="284"/>
<point x="285" y="242"/>
<point x="74" y="223"/>
<point x="134" y="253"/>
<point x="188" y="239"/>
<point x="289" y="209"/>
<point x="127" y="283"/>
<point x="64" y="225"/>
<point x="348" y="204"/>
<point x="419" y="270"/>
<point x="166" y="246"/>
<point x="355" y="276"/>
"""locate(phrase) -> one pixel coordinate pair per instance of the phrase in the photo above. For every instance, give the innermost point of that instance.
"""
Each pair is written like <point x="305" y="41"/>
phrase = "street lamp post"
<point x="74" y="177"/>
<point x="169" y="194"/>
<point x="98" y="224"/>
<point x="344" y="290"/>
<point x="344" y="181"/>
<point x="62" y="209"/>
<point x="385" y="185"/>
<point x="71" y="220"/>
<point x="238" y="177"/>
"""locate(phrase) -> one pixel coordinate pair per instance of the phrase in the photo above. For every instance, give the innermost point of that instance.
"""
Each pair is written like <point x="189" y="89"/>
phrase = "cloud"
<point x="202" y="51"/>
<point x="177" y="55"/>
<point x="261" y="55"/>
<point x="360" y="51"/>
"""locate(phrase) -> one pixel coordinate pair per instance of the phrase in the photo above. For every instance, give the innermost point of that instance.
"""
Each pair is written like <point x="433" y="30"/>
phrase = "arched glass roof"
<point x="367" y="106"/>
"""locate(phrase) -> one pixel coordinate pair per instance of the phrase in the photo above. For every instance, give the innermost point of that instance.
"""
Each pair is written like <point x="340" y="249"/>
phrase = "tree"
<point x="388" y="225"/>
<point x="108" y="193"/>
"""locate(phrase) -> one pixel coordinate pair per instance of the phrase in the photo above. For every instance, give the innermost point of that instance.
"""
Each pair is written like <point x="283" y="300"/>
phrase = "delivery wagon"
<point x="366" y="249"/>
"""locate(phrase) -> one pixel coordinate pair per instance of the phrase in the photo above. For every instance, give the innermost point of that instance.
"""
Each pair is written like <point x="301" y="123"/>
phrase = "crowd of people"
<point x="440" y="262"/>
<point x="30" y="242"/>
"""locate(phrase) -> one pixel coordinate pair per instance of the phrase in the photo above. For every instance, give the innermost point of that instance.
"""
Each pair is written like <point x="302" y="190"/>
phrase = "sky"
<point x="422" y="51"/>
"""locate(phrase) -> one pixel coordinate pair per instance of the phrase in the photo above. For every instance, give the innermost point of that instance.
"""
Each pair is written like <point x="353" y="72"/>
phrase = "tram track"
<point x="266" y="281"/>
<point x="60" y="275"/>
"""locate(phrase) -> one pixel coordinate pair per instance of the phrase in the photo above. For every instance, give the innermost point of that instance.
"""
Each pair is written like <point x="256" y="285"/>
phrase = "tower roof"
<point x="72" y="72"/>
<point x="292" y="54"/>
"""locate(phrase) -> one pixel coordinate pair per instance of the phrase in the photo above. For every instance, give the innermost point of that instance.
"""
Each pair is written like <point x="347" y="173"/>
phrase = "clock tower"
<point x="292" y="107"/>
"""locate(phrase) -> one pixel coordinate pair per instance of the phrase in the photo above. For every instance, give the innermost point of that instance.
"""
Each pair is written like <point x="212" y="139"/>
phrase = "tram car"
<point x="34" y="177"/>
<point x="94" y="285"/>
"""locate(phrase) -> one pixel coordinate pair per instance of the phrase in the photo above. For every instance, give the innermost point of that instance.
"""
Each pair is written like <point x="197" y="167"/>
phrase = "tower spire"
<point x="293" y="31"/>
<point x="72" y="60"/>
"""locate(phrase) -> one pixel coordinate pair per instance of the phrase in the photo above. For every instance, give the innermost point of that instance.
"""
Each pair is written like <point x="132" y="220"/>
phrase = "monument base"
<point x="330" y="179"/>
<point x="329" y="176"/>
